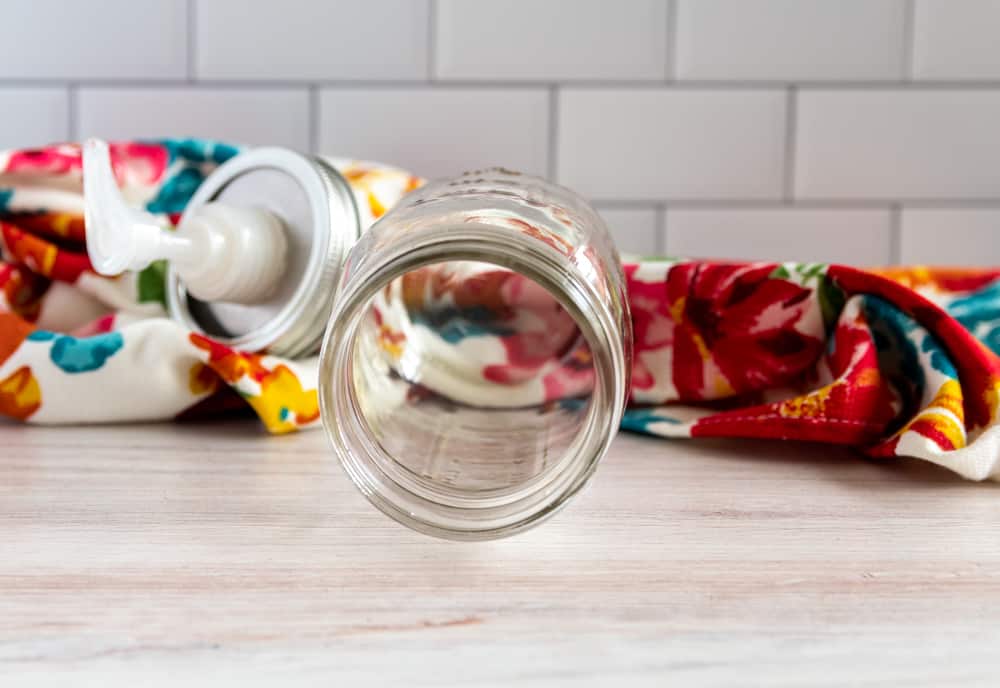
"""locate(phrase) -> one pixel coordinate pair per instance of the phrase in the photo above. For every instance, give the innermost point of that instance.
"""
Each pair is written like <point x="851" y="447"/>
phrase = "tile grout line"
<point x="661" y="229"/>
<point x="552" y="150"/>
<point x="72" y="124"/>
<point x="800" y="203"/>
<point x="313" y="132"/>
<point x="893" y="86"/>
<point x="671" y="56"/>
<point x="791" y="140"/>
<point x="432" y="10"/>
<point x="909" y="39"/>
<point x="192" y="48"/>
<point x="895" y="233"/>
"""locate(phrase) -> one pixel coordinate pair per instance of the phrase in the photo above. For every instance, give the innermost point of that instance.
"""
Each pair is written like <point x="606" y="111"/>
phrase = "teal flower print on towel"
<point x="74" y="355"/>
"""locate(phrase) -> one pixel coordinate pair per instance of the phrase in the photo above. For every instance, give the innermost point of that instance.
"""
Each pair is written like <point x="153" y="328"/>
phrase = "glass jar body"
<point x="476" y="364"/>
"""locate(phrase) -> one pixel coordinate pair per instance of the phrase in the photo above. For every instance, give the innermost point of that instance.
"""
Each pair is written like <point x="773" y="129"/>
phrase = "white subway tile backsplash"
<point x="633" y="229"/>
<point x="305" y="39"/>
<point x="790" y="40"/>
<point x="956" y="39"/>
<point x="278" y="117"/>
<point x="438" y="132"/>
<point x="786" y="234"/>
<point x="898" y="144"/>
<point x="951" y="236"/>
<point x="770" y="128"/>
<point x="33" y="117"/>
<point x="545" y="40"/>
<point x="112" y="39"/>
<point x="651" y="144"/>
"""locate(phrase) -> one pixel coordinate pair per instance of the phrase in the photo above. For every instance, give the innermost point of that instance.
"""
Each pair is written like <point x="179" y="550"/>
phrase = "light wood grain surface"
<point x="216" y="555"/>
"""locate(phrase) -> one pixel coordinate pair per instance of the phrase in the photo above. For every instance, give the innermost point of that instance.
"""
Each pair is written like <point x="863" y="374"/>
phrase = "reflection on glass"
<point x="471" y="376"/>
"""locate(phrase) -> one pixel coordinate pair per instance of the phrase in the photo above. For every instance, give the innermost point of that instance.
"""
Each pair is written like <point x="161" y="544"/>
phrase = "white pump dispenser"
<point x="220" y="252"/>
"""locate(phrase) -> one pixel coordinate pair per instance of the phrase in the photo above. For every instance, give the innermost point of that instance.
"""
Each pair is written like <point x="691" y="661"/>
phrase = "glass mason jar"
<point x="476" y="365"/>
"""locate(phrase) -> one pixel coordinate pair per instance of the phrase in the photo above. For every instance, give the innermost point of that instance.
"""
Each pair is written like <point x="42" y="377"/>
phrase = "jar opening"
<point x="472" y="377"/>
<point x="477" y="390"/>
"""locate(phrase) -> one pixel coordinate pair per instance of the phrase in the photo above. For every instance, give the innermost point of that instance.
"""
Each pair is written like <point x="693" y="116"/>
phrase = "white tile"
<point x="633" y="229"/>
<point x="277" y="117"/>
<point x="854" y="237"/>
<point x="898" y="144"/>
<point x="307" y="39"/>
<point x="652" y="144"/>
<point x="956" y="39"/>
<point x="33" y="117"/>
<point x="790" y="39"/>
<point x="438" y="132"/>
<point x="551" y="39"/>
<point x="950" y="236"/>
<point x="61" y="39"/>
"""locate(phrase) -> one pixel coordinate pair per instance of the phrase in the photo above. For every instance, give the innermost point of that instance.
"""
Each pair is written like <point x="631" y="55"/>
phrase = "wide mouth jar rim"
<point x="479" y="516"/>
<point x="292" y="331"/>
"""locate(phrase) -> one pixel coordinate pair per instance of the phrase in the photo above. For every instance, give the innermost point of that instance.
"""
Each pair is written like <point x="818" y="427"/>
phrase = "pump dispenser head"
<point x="221" y="252"/>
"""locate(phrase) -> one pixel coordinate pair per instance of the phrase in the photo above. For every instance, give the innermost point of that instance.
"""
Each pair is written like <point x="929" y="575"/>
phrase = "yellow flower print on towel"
<point x="283" y="405"/>
<point x="20" y="395"/>
<point x="276" y="394"/>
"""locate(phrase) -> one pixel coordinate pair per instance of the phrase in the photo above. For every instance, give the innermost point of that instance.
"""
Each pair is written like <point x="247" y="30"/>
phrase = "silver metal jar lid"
<point x="318" y="209"/>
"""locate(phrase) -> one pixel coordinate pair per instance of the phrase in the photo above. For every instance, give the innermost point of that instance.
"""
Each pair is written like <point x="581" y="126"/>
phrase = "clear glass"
<point x="476" y="365"/>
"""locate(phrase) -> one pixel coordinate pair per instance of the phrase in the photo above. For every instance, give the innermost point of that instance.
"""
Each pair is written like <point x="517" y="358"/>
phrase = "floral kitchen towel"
<point x="898" y="362"/>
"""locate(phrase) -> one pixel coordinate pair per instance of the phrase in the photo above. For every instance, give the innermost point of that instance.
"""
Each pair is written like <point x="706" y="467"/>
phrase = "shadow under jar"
<point x="477" y="361"/>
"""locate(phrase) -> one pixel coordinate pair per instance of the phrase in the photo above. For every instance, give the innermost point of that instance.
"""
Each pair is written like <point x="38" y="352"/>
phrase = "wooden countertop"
<point x="191" y="554"/>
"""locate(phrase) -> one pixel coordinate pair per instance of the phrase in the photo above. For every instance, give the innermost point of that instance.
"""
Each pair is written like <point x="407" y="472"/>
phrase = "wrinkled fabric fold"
<point x="895" y="362"/>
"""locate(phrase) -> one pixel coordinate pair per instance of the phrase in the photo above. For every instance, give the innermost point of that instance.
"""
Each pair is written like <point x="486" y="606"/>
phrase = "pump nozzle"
<point x="220" y="252"/>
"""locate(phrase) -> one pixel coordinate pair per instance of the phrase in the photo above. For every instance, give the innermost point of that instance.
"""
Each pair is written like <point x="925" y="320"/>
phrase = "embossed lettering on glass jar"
<point x="476" y="364"/>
